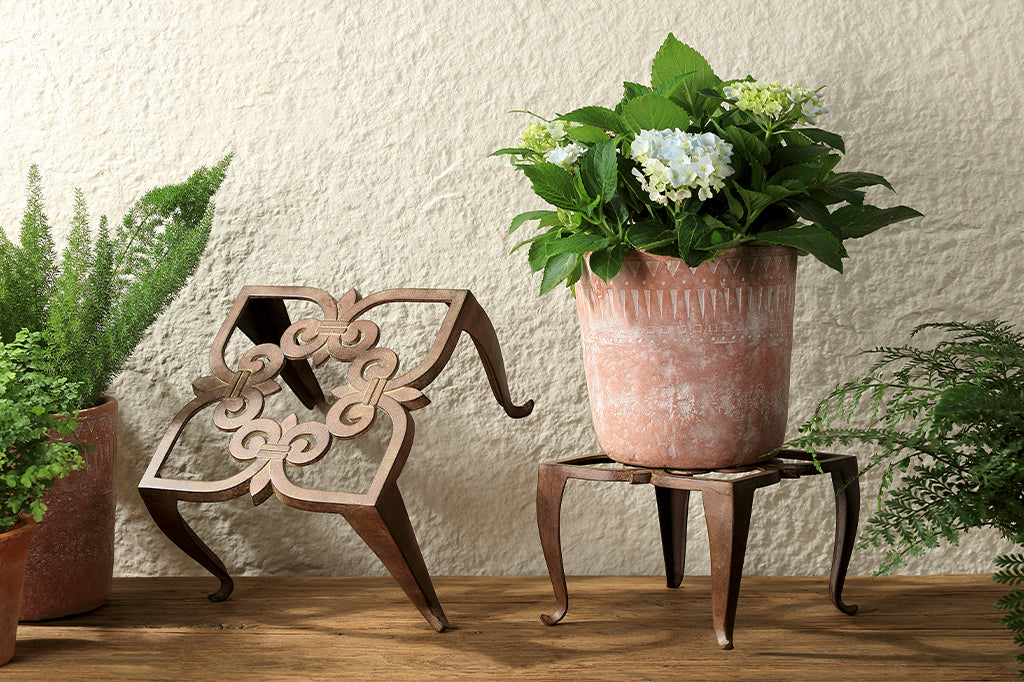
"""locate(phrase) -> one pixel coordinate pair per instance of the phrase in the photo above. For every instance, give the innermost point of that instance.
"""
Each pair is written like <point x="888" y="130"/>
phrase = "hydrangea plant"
<point x="687" y="167"/>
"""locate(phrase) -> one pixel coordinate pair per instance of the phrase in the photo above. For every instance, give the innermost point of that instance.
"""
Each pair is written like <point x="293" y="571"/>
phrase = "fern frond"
<point x="946" y="427"/>
<point x="8" y="300"/>
<point x="66" y="328"/>
<point x="160" y="244"/>
<point x="31" y="268"/>
<point x="1011" y="569"/>
<point x="96" y="307"/>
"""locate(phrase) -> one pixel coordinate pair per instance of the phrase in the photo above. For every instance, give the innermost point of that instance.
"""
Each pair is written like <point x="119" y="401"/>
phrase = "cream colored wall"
<point x="361" y="131"/>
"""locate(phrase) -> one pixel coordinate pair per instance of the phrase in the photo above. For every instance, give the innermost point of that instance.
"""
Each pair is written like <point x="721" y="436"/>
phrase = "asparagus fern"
<point x="94" y="308"/>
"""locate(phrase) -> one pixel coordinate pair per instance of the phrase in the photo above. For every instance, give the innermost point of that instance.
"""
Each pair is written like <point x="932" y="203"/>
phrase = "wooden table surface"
<point x="618" y="628"/>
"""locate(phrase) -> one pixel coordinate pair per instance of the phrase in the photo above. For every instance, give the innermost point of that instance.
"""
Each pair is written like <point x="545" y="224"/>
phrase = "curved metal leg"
<point x="728" y="518"/>
<point x="847" y="486"/>
<point x="550" y="487"/>
<point x="386" y="529"/>
<point x="163" y="507"/>
<point x="673" y="509"/>
<point x="480" y="329"/>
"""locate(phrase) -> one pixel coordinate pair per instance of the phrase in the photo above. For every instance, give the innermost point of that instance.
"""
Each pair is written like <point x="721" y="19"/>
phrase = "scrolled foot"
<point x="554" y="618"/>
<point x="519" y="411"/>
<point x="227" y="586"/>
<point x="848" y="609"/>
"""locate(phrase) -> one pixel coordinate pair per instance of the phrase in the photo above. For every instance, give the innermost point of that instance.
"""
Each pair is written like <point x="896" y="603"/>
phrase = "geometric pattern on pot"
<point x="372" y="387"/>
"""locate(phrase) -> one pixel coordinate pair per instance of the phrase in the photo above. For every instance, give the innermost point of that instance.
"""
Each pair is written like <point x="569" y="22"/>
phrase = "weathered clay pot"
<point x="688" y="368"/>
<point x="13" y="553"/>
<point x="71" y="562"/>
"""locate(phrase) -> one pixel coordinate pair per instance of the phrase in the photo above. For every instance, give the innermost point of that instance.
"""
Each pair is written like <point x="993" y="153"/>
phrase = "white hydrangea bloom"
<point x="811" y="109"/>
<point x="565" y="156"/>
<point x="556" y="129"/>
<point x="675" y="163"/>
<point x="773" y="99"/>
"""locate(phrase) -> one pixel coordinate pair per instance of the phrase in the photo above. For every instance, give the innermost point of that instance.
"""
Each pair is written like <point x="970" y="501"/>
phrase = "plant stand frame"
<point x="727" y="495"/>
<point x="374" y="386"/>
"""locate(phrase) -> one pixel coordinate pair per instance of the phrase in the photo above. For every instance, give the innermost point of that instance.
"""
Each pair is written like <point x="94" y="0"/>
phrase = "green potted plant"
<point x="946" y="428"/>
<point x="705" y="190"/>
<point x="92" y="307"/>
<point x="32" y="458"/>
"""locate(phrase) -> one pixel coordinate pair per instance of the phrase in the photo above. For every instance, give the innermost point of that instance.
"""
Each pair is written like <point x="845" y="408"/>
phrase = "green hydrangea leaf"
<point x="631" y="91"/>
<point x="557" y="269"/>
<point x="650" y="234"/>
<point x="814" y="211"/>
<point x="599" y="117"/>
<point x="598" y="170"/>
<point x="654" y="112"/>
<point x="675" y="59"/>
<point x="587" y="134"/>
<point x="554" y="185"/>
<point x="825" y="137"/>
<point x="858" y="221"/>
<point x="748" y="145"/>
<point x="792" y="154"/>
<point x="607" y="262"/>
<point x="529" y="215"/>
<point x="581" y="242"/>
<point x="516" y="151"/>
<point x="813" y="239"/>
<point x="856" y="180"/>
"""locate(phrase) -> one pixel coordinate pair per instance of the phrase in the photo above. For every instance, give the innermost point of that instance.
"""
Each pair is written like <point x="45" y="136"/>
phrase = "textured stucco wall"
<point x="361" y="130"/>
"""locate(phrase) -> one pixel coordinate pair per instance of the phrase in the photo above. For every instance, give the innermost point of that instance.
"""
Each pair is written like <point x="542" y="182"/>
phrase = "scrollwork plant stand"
<point x="270" y="448"/>
<point x="727" y="496"/>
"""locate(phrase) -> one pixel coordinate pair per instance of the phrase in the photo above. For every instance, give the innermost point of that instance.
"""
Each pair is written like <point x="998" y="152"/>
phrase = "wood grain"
<point x="618" y="628"/>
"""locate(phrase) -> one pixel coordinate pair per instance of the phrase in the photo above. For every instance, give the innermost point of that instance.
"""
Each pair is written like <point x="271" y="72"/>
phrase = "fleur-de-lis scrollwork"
<point x="267" y="441"/>
<point x="241" y="393"/>
<point x="370" y="386"/>
<point x="340" y="338"/>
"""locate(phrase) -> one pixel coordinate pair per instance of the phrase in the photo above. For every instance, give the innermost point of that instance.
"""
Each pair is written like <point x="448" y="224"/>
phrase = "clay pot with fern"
<point x="91" y="308"/>
<point x="945" y="427"/>
<point x="33" y="456"/>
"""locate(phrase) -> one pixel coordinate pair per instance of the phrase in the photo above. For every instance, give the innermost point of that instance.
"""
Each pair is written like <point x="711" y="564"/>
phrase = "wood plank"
<point x="929" y="627"/>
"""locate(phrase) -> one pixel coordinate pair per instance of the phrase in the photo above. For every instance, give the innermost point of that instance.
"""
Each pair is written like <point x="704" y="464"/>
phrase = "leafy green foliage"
<point x="1011" y="572"/>
<point x="947" y="428"/>
<point x="653" y="112"/>
<point x="95" y="308"/>
<point x="781" y="189"/>
<point x="676" y="60"/>
<point x="31" y="395"/>
<point x="27" y="271"/>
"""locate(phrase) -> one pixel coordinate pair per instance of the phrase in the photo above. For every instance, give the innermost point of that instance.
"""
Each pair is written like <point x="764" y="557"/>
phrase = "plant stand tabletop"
<point x="727" y="495"/>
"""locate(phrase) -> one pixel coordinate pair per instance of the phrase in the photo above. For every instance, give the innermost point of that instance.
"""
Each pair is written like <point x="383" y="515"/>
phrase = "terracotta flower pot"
<point x="14" y="546"/>
<point x="688" y="368"/>
<point x="71" y="562"/>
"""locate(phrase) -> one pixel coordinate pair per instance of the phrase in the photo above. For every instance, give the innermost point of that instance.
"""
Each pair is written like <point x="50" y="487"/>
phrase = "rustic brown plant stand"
<point x="268" y="447"/>
<point x="727" y="495"/>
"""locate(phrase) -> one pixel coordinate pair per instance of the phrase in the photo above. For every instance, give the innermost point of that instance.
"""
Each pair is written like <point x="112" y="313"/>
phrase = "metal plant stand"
<point x="728" y="497"/>
<point x="269" y="447"/>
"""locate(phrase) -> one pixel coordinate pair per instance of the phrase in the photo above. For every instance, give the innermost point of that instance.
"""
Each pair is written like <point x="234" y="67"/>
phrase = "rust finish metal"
<point x="374" y="386"/>
<point x="727" y="506"/>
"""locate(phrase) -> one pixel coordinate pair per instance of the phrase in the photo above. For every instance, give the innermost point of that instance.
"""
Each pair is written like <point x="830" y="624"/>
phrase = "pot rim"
<point x="107" y="403"/>
<point x="727" y="253"/>
<point x="25" y="524"/>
